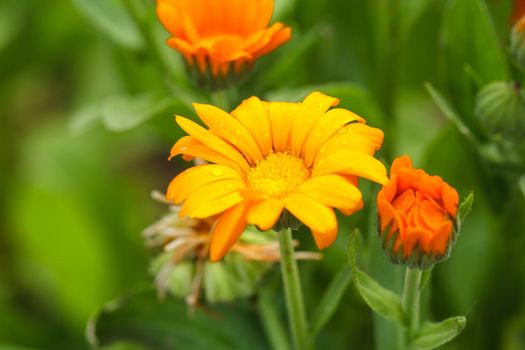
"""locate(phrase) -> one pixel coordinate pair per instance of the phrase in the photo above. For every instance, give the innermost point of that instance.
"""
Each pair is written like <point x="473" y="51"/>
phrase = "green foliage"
<point x="111" y="18"/>
<point x="381" y="300"/>
<point x="434" y="335"/>
<point x="143" y="319"/>
<point x="88" y="94"/>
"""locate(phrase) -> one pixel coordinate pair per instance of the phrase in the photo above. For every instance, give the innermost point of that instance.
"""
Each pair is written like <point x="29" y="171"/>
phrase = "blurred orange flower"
<point x="417" y="213"/>
<point x="215" y="34"/>
<point x="518" y="10"/>
<point x="274" y="156"/>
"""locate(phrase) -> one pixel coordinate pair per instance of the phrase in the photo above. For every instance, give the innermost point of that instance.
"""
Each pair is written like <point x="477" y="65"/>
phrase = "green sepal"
<point x="287" y="220"/>
<point x="383" y="301"/>
<point x="418" y="259"/>
<point x="464" y="209"/>
<point x="434" y="334"/>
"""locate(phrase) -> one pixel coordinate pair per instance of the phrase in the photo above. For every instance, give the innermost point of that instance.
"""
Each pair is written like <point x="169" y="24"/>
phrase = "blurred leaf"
<point x="289" y="55"/>
<point x="464" y="208"/>
<point x="141" y="318"/>
<point x="433" y="335"/>
<point x="11" y="21"/>
<point x="121" y="113"/>
<point x="111" y="17"/>
<point x="468" y="38"/>
<point x="522" y="184"/>
<point x="452" y="115"/>
<point x="411" y="11"/>
<point x="331" y="299"/>
<point x="381" y="300"/>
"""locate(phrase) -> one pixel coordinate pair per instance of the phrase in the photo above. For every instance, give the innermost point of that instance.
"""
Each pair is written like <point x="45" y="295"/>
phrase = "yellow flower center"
<point x="278" y="175"/>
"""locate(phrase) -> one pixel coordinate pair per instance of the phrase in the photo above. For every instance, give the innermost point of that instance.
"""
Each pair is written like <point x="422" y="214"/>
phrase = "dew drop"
<point x="238" y="132"/>
<point x="344" y="143"/>
<point x="216" y="172"/>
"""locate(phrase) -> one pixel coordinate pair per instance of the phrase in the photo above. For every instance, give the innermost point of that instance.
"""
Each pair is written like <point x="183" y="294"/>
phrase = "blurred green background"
<point x="86" y="108"/>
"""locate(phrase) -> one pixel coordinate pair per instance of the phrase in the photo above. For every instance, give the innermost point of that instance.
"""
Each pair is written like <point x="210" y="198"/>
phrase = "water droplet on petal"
<point x="216" y="172"/>
<point x="238" y="132"/>
<point x="344" y="143"/>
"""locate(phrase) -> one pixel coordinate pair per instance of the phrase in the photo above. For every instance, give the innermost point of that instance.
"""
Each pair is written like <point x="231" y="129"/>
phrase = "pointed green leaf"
<point x="464" y="208"/>
<point x="433" y="335"/>
<point x="331" y="298"/>
<point x="383" y="301"/>
<point x="111" y="17"/>
<point x="451" y="114"/>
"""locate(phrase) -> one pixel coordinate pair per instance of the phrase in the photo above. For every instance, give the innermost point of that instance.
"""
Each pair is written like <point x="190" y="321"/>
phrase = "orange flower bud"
<point x="417" y="215"/>
<point x="221" y="38"/>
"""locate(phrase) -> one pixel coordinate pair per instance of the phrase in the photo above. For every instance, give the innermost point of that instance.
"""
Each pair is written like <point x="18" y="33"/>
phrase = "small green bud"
<point x="500" y="107"/>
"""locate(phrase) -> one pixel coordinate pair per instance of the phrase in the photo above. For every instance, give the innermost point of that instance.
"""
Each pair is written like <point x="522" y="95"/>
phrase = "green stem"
<point x="411" y="302"/>
<point x="293" y="292"/>
<point x="271" y="321"/>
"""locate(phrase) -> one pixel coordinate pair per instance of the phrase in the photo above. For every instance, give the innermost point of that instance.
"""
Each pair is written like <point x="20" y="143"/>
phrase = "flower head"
<point x="182" y="268"/>
<point x="274" y="156"/>
<point x="417" y="213"/>
<point x="221" y="35"/>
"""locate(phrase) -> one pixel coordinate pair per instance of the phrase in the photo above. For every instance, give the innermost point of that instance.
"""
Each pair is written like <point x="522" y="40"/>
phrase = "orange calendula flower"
<point x="218" y="35"/>
<point x="417" y="214"/>
<point x="274" y="156"/>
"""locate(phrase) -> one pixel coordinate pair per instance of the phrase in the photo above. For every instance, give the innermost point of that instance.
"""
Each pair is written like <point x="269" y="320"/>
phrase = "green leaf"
<point x="381" y="300"/>
<point x="468" y="37"/>
<point x="111" y="17"/>
<point x="141" y="318"/>
<point x="331" y="299"/>
<point x="451" y="114"/>
<point x="11" y="21"/>
<point x="433" y="335"/>
<point x="122" y="112"/>
<point x="522" y="184"/>
<point x="464" y="208"/>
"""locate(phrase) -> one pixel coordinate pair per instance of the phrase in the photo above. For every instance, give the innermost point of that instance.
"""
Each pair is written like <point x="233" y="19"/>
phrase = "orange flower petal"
<point x="350" y="162"/>
<point x="313" y="107"/>
<point x="325" y="239"/>
<point x="212" y="198"/>
<point x="318" y="217"/>
<point x="264" y="214"/>
<point x="187" y="182"/>
<point x="450" y="199"/>
<point x="212" y="141"/>
<point x="333" y="191"/>
<point x="326" y="127"/>
<point x="230" y="129"/>
<point x="281" y="116"/>
<point x="192" y="148"/>
<point x="254" y="116"/>
<point x="227" y="231"/>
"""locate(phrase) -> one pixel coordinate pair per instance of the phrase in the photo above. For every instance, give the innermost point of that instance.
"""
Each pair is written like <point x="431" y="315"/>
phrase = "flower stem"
<point x="411" y="301"/>
<point x="293" y="292"/>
